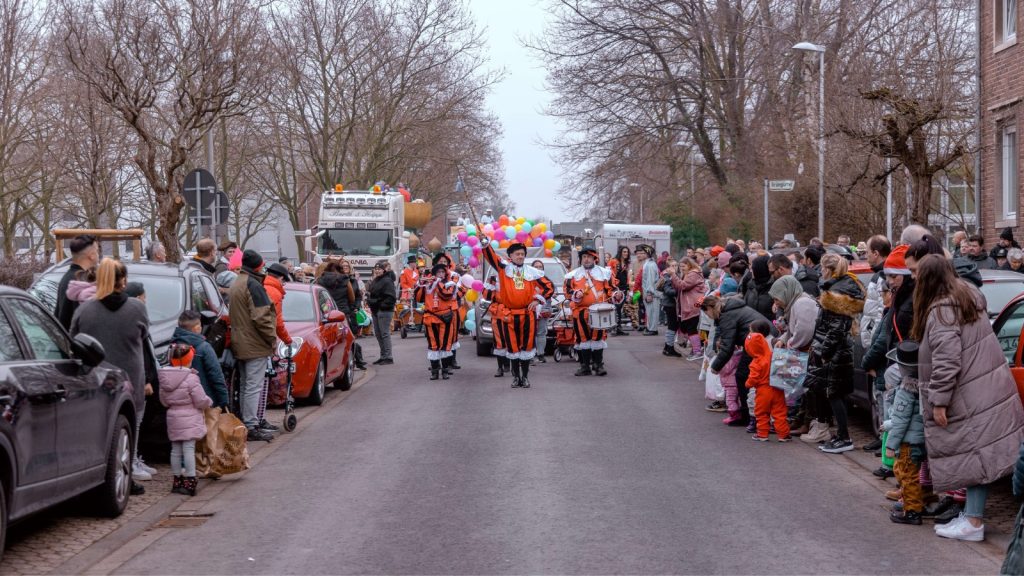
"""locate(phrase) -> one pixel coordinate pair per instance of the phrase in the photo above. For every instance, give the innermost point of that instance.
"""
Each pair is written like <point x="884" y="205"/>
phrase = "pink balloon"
<point x="474" y="261"/>
<point x="499" y="234"/>
<point x="477" y="250"/>
<point x="473" y="241"/>
<point x="462" y="236"/>
<point x="478" y="286"/>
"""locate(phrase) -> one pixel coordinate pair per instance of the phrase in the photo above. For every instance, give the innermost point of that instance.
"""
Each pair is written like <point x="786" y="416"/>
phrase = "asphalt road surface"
<point x="615" y="475"/>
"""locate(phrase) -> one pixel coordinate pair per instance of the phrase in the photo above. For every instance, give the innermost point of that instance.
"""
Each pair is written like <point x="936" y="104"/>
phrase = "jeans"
<point x="975" y="505"/>
<point x="671" y="325"/>
<point x="138" y="431"/>
<point x="382" y="330"/>
<point x="253" y="375"/>
<point x="183" y="458"/>
<point x="541" y="338"/>
<point x="653" y="309"/>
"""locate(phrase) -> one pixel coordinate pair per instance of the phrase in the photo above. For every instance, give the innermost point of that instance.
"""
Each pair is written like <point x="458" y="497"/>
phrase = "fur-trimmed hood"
<point x="843" y="295"/>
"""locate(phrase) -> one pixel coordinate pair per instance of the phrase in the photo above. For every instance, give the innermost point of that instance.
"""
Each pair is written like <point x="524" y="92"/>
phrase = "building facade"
<point x="1001" y="79"/>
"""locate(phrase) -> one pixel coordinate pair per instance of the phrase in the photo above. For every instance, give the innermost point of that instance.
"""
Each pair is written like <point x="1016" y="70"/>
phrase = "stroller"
<point x="561" y="323"/>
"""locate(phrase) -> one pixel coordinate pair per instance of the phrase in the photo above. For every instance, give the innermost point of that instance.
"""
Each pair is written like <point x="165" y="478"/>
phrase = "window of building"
<point x="1005" y="12"/>
<point x="1008" y="170"/>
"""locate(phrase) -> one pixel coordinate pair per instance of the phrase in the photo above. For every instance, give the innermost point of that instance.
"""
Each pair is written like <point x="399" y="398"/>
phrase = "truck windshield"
<point x="355" y="242"/>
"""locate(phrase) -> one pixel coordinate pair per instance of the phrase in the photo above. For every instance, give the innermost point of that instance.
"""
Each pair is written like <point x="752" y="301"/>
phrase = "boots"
<point x="524" y="373"/>
<point x="818" y="432"/>
<point x="454" y="363"/>
<point x="435" y="369"/>
<point x="446" y="368"/>
<point x="585" y="358"/>
<point x="598" y="361"/>
<point x="189" y="485"/>
<point x="502" y="366"/>
<point x="670" y="350"/>
<point x="176" y="486"/>
<point x="516" y="373"/>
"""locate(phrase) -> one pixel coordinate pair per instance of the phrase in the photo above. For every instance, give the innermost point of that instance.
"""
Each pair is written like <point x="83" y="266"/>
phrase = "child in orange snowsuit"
<point x="769" y="402"/>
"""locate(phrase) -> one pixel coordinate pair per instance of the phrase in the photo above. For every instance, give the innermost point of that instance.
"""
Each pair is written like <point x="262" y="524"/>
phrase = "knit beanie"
<point x="896" y="263"/>
<point x="252" y="260"/>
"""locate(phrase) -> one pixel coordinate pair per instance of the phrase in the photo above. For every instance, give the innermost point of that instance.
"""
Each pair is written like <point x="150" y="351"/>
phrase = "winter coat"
<point x="801" y="317"/>
<point x="756" y="346"/>
<point x="906" y="425"/>
<point x="668" y="293"/>
<point x="967" y="269"/>
<point x="381" y="294"/>
<point x="689" y="291"/>
<point x="731" y="329"/>
<point x="649" y="279"/>
<point x="1018" y="475"/>
<point x="253" y="317"/>
<point x="121" y="325"/>
<point x="343" y="289"/>
<point x="983" y="262"/>
<point x="182" y="394"/>
<point x="80" y="291"/>
<point x="894" y="328"/>
<point x="830" y="364"/>
<point x="873" y="307"/>
<point x="206" y="364"/>
<point x="755" y="294"/>
<point x="963" y="368"/>
<point x="66" y="307"/>
<point x="809" y="278"/>
<point x="275" y="291"/>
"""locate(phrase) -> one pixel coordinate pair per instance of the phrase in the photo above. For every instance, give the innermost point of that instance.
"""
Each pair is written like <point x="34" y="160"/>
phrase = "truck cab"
<point x="363" y="226"/>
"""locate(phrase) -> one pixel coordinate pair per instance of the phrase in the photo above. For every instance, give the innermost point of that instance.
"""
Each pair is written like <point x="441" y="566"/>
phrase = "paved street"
<point x="623" y="474"/>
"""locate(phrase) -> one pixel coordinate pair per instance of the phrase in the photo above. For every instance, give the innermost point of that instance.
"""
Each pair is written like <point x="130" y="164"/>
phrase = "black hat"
<point x="905" y="353"/>
<point x="515" y="247"/>
<point x="277" y="269"/>
<point x="1006" y="234"/>
<point x="411" y="259"/>
<point x="644" y="248"/>
<point x="585" y="251"/>
<point x="439" y="270"/>
<point x="134" y="289"/>
<point x="999" y="252"/>
<point x="441" y="255"/>
<point x="252" y="260"/>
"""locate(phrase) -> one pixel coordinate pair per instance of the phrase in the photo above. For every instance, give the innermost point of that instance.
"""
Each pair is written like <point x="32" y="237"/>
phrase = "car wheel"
<point x="111" y="497"/>
<point x="483" y="348"/>
<point x="319" y="389"/>
<point x="349" y="376"/>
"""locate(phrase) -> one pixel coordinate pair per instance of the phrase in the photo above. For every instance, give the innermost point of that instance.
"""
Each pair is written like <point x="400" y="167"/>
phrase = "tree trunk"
<point x="169" y="206"/>
<point x="922" y="200"/>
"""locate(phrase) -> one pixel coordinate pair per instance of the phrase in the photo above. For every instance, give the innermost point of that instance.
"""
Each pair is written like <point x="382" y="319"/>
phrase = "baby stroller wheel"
<point x="558" y="355"/>
<point x="290" y="422"/>
<point x="405" y="332"/>
<point x="573" y="355"/>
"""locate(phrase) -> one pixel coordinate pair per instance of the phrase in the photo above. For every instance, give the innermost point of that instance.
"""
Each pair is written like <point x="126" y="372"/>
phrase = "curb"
<point x="113" y="550"/>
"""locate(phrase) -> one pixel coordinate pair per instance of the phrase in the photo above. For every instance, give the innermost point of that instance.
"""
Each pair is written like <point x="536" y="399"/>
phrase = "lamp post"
<point x="635" y="185"/>
<point x="809" y="47"/>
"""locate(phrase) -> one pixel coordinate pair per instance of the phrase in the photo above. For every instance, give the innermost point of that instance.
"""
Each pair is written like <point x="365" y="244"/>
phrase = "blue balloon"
<point x="470" y="325"/>
<point x="495" y="245"/>
<point x="466" y="251"/>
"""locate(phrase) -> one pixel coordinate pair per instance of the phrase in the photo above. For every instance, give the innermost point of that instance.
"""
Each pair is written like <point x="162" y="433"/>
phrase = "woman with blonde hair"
<point x="121" y="325"/>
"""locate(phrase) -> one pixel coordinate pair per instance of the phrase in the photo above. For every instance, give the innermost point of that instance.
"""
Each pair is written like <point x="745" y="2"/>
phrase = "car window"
<point x="297" y="307"/>
<point x="164" y="297"/>
<point x="10" y="351"/>
<point x="1009" y="332"/>
<point x="212" y="295"/>
<point x="555" y="272"/>
<point x="45" y="338"/>
<point x="200" y="299"/>
<point x="326" y="302"/>
<point x="998" y="294"/>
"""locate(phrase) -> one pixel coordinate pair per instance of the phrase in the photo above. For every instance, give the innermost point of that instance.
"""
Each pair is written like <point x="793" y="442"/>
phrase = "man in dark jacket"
<point x="756" y="285"/>
<point x="1005" y="242"/>
<point x="809" y="274"/>
<point x="85" y="254"/>
<point x="732" y="324"/>
<point x="206" y="256"/>
<point x="381" y="299"/>
<point x="977" y="253"/>
<point x="253" y="336"/>
<point x="205" y="362"/>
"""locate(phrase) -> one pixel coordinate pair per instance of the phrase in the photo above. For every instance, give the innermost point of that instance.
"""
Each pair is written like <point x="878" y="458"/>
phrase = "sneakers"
<point x="264" y="425"/>
<point x="140" y="463"/>
<point x="716" y="406"/>
<point x="951" y="513"/>
<point x="751" y="427"/>
<point x="258" y="435"/>
<point x="873" y="445"/>
<point x="136" y="489"/>
<point x="759" y="438"/>
<point x="138" y="473"/>
<point x="913" y="518"/>
<point x="836" y="446"/>
<point x="818" y="432"/>
<point x="695" y="356"/>
<point x="785" y="439"/>
<point x="894" y="495"/>
<point x="961" y="529"/>
<point x="935" y="509"/>
<point x="883" y="472"/>
<point x="382" y="361"/>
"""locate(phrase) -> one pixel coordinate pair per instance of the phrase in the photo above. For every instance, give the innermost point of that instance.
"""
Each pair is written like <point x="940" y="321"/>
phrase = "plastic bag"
<point x="362" y="318"/>
<point x="224" y="449"/>
<point x="789" y="370"/>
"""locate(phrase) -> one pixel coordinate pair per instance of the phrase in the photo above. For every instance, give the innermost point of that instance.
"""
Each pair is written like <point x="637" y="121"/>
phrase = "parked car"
<point x="555" y="272"/>
<point x="67" y="419"/>
<point x="170" y="290"/>
<point x="325" y="355"/>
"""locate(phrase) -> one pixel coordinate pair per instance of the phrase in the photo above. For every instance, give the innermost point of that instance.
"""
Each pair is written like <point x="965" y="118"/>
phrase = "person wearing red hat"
<point x="521" y="290"/>
<point x="585" y="286"/>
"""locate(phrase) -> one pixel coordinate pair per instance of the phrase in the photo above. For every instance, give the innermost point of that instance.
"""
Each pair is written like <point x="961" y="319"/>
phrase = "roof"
<point x="135" y="268"/>
<point x="1001" y="275"/>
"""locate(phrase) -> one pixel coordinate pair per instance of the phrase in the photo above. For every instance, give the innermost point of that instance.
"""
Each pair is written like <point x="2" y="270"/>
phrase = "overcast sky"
<point x="531" y="175"/>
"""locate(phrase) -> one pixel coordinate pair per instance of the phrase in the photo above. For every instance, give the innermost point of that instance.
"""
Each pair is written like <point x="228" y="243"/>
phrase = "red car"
<point x="326" y="352"/>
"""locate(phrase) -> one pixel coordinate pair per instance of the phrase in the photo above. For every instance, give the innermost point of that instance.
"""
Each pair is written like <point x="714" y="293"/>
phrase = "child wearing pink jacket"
<point x="183" y="395"/>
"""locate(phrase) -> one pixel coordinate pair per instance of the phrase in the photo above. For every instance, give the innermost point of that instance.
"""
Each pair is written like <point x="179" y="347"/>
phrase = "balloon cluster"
<point x="470" y="323"/>
<point x="503" y="232"/>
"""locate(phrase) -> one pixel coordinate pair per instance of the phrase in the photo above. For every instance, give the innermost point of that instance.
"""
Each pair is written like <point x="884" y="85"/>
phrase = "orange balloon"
<point x="549" y="244"/>
<point x="548" y="253"/>
<point x="503" y="220"/>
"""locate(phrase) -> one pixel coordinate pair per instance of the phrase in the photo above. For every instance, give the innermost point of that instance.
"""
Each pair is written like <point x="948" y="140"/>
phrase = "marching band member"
<point x="585" y="286"/>
<point x="520" y="290"/>
<point x="497" y="326"/>
<point x="437" y="293"/>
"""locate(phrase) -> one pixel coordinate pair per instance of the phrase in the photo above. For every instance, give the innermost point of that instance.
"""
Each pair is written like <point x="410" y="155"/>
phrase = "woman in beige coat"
<point x="973" y="418"/>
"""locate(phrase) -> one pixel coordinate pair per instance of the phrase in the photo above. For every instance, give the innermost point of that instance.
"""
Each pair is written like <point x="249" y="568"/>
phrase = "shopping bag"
<point x="788" y="372"/>
<point x="224" y="449"/>
<point x="713" y="386"/>
<point x="886" y="461"/>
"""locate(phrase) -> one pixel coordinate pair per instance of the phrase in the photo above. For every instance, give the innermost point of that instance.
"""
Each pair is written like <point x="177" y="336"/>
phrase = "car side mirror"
<point x="88" y="350"/>
<point x="334" y="316"/>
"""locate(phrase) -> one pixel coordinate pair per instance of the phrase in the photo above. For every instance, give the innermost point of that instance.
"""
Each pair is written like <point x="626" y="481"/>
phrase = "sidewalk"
<point x="67" y="540"/>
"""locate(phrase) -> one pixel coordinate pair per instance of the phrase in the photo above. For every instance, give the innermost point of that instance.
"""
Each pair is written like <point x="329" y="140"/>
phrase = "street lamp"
<point x="635" y="185"/>
<point x="809" y="47"/>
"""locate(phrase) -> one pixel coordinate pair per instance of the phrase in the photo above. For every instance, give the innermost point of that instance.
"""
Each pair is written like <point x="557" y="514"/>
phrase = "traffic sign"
<point x="781" y="185"/>
<point x="199" y="188"/>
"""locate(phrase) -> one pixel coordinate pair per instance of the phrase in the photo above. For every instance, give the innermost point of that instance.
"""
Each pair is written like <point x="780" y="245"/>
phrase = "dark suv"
<point x="170" y="289"/>
<point x="66" y="420"/>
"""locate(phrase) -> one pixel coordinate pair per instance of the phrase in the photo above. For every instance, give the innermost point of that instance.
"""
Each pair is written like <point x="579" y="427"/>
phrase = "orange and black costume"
<point x="519" y="289"/>
<point x="497" y="312"/>
<point x="585" y="287"/>
<point x="439" y="296"/>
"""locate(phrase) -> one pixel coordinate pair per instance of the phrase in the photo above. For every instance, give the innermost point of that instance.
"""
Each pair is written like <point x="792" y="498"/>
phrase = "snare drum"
<point x="602" y="316"/>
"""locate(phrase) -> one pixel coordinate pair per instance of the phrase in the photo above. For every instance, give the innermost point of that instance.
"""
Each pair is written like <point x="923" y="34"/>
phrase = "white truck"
<point x="611" y="235"/>
<point x="364" y="226"/>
